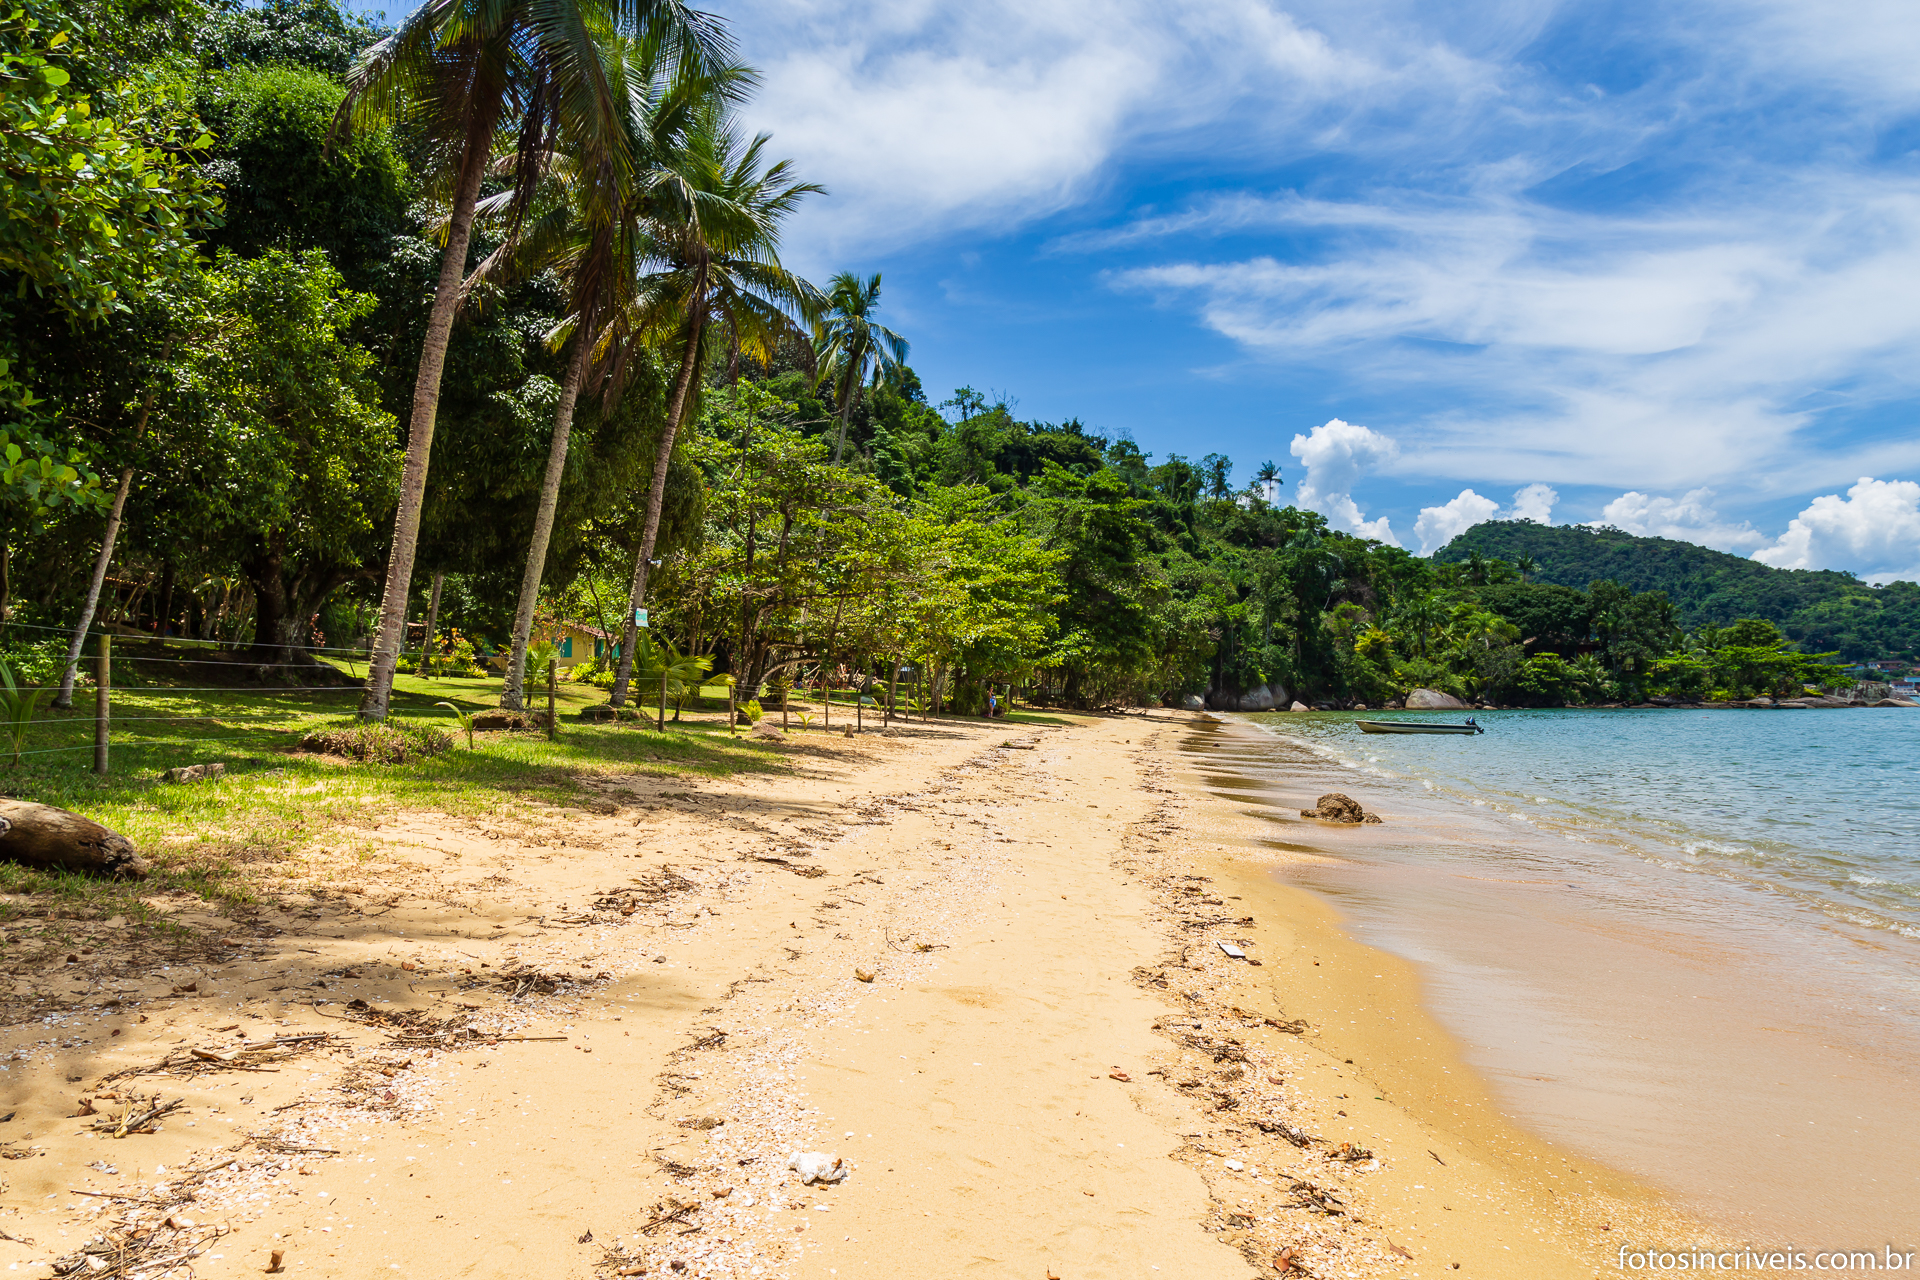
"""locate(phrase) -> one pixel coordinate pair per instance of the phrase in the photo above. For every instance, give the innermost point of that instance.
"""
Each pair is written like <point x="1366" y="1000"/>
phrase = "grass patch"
<point x="279" y="820"/>
<point x="378" y="743"/>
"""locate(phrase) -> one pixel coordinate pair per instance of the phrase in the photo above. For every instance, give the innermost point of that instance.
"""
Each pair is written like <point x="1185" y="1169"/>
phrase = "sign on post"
<point x="640" y="618"/>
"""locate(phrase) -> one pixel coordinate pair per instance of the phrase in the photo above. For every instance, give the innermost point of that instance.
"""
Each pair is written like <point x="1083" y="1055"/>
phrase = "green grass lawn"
<point x="213" y="838"/>
<point x="247" y="834"/>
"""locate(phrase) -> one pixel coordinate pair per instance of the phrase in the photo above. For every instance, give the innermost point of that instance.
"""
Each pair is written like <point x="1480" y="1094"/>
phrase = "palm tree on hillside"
<point x="1267" y="479"/>
<point x="1526" y="565"/>
<point x="591" y="231"/>
<point x="460" y="73"/>
<point x="710" y="264"/>
<point x="851" y="347"/>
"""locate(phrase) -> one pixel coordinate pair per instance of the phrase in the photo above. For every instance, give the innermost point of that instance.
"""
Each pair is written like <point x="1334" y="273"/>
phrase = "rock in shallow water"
<point x="1335" y="807"/>
<point x="1433" y="700"/>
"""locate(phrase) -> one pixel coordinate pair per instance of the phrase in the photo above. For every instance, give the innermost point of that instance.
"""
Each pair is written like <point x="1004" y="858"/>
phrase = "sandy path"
<point x="1021" y="900"/>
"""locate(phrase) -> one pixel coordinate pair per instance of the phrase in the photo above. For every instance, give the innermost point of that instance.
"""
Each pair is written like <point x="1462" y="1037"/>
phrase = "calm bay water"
<point x="1684" y="942"/>
<point x="1821" y="806"/>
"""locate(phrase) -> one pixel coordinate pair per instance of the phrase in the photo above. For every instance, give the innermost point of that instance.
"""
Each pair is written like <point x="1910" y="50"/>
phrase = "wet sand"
<point x="1664" y="1023"/>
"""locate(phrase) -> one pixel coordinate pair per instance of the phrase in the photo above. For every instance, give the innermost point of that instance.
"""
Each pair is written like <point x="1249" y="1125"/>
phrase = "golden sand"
<point x="1054" y="1070"/>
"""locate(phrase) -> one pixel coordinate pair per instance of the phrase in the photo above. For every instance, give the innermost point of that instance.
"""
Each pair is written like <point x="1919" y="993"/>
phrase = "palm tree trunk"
<point x="426" y="403"/>
<point x="657" y="490"/>
<point x="510" y="688"/>
<point x="433" y="621"/>
<point x="65" y="697"/>
<point x="846" y="411"/>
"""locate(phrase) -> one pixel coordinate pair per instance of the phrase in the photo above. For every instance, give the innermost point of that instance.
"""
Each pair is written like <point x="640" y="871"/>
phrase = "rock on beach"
<point x="1335" y="807"/>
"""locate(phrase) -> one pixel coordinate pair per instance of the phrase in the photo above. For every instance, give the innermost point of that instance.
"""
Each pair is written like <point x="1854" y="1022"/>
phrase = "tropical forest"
<point x="432" y="342"/>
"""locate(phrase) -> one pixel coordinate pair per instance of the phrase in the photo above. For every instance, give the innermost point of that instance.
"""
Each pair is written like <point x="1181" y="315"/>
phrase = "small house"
<point x="579" y="642"/>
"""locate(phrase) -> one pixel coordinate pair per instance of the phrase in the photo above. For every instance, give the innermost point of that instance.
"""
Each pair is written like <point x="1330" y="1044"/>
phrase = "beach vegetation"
<point x="532" y="251"/>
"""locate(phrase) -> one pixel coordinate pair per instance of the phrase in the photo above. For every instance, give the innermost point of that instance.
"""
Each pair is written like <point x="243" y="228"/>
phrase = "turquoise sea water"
<point x="1820" y="806"/>
<point x="1684" y="942"/>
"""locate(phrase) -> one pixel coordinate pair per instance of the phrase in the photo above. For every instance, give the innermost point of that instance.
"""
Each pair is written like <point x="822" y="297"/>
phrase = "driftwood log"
<point x="50" y="839"/>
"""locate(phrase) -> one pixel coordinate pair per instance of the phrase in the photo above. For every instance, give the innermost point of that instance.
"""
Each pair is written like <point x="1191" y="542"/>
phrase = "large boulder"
<point x="1258" y="699"/>
<point x="50" y="839"/>
<point x="1192" y="702"/>
<point x="1335" y="807"/>
<point x="1222" y="700"/>
<point x="1299" y="706"/>
<point x="1281" y="697"/>
<point x="1433" y="700"/>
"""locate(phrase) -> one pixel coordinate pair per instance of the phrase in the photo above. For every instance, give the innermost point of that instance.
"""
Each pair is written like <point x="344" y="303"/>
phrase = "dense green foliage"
<point x="1819" y="609"/>
<point x="217" y="293"/>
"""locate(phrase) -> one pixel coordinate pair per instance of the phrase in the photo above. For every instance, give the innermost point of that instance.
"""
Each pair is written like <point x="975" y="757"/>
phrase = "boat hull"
<point x="1395" y="726"/>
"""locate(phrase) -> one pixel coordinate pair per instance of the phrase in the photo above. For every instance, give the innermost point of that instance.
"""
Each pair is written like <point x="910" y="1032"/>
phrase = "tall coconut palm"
<point x="850" y="346"/>
<point x="713" y="222"/>
<point x="593" y="226"/>
<point x="461" y="73"/>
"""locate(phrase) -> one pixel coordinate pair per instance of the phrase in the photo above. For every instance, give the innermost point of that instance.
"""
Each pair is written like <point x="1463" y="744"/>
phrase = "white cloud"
<point x="1873" y="531"/>
<point x="1679" y="349"/>
<point x="1437" y="526"/>
<point x="921" y="118"/>
<point x="1535" y="503"/>
<point x="1689" y="518"/>
<point x="1336" y="455"/>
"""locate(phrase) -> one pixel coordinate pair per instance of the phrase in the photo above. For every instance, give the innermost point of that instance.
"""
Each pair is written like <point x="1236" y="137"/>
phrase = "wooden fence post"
<point x="102" y="703"/>
<point x="553" y="681"/>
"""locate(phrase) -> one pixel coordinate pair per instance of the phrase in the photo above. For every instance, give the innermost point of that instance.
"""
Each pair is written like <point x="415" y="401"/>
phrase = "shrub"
<point x="384" y="743"/>
<point x="39" y="662"/>
<point x="751" y="710"/>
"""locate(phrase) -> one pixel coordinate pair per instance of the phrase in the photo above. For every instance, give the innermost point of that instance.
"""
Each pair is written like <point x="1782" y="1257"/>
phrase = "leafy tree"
<point x="102" y="195"/>
<point x="286" y="187"/>
<point x="276" y="449"/>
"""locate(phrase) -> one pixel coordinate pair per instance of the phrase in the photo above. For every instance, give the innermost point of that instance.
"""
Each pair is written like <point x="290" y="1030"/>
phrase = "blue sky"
<point x="1653" y="264"/>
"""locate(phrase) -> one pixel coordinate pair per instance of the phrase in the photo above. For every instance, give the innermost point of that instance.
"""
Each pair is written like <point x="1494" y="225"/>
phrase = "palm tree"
<point x="851" y="347"/>
<point x="711" y="253"/>
<point x="1217" y="468"/>
<point x="1526" y="564"/>
<point x="458" y="73"/>
<point x="1267" y="479"/>
<point x="594" y="226"/>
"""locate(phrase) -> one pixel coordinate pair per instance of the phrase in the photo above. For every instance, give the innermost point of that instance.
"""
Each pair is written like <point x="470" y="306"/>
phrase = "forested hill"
<point x="1823" y="610"/>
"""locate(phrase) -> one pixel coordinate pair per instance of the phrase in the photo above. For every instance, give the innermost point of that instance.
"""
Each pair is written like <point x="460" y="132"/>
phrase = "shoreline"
<point x="1685" y="1028"/>
<point x="974" y="960"/>
<point x="1572" y="1212"/>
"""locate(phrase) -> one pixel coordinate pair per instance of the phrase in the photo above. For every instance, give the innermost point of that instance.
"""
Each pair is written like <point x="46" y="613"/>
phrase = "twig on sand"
<point x="677" y="1214"/>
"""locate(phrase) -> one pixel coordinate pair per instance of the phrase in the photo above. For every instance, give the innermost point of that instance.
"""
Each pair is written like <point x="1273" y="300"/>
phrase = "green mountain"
<point x="1822" y="610"/>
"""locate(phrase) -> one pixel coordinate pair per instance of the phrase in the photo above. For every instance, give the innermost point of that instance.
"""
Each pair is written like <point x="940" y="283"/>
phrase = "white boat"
<point x="1417" y="726"/>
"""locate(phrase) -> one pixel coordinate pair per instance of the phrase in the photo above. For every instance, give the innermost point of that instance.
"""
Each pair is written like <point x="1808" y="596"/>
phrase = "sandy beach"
<point x="977" y="964"/>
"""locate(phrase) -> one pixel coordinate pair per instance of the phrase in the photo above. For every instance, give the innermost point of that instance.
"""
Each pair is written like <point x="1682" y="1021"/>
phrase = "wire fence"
<point x="196" y="642"/>
<point x="91" y="723"/>
<point x="158" y="731"/>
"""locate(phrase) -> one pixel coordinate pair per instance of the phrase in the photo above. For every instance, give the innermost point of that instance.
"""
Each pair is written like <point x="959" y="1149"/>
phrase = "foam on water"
<point x="1669" y="939"/>
<point x="1821" y="806"/>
